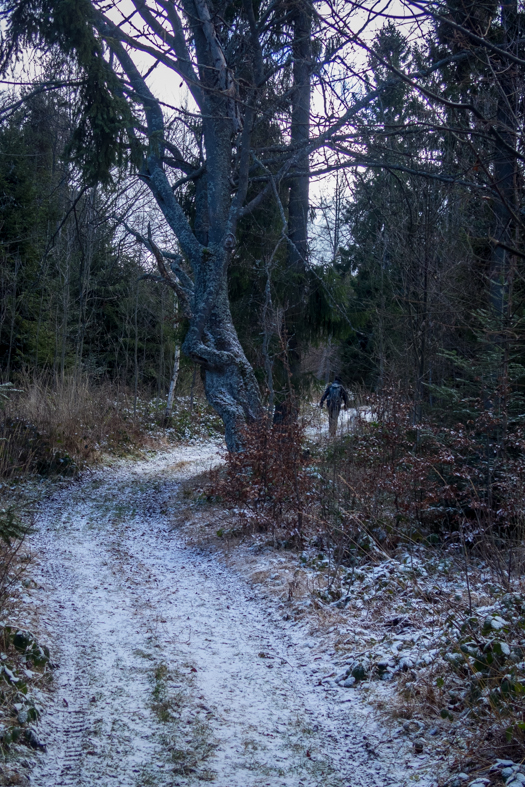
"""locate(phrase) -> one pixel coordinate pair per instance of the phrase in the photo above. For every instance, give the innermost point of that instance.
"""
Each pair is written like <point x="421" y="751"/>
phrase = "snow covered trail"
<point x="170" y="671"/>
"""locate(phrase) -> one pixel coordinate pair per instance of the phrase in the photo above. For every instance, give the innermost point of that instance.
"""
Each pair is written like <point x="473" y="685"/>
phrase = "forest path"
<point x="170" y="672"/>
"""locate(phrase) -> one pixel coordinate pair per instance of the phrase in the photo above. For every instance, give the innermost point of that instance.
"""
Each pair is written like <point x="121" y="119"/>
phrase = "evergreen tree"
<point x="68" y="295"/>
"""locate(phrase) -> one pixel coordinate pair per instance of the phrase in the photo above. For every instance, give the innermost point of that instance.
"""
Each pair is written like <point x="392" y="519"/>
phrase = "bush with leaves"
<point x="268" y="483"/>
<point x="485" y="649"/>
<point x="394" y="480"/>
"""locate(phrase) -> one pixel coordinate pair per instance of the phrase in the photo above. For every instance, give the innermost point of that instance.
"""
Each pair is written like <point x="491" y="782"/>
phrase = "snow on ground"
<point x="349" y="421"/>
<point x="172" y="669"/>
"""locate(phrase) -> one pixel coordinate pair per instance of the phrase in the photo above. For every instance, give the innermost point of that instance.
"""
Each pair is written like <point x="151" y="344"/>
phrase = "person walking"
<point x="335" y="396"/>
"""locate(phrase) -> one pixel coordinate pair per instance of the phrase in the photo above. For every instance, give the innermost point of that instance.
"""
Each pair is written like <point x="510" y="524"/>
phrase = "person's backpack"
<point x="335" y="395"/>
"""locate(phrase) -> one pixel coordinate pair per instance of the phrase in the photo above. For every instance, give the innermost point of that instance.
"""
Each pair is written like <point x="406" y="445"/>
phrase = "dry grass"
<point x="58" y="426"/>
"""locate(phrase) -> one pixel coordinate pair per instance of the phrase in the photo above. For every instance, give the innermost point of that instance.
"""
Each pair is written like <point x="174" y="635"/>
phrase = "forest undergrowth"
<point x="25" y="666"/>
<point x="412" y="533"/>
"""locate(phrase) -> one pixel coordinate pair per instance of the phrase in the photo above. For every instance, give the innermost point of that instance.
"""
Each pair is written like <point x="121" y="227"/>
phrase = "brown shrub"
<point x="395" y="480"/>
<point x="268" y="481"/>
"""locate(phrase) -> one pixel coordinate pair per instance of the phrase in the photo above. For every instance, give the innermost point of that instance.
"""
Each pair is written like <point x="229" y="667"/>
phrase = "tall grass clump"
<point x="51" y="425"/>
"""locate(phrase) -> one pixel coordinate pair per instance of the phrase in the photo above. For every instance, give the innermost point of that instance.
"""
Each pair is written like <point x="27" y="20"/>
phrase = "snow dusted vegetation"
<point x="172" y="645"/>
<point x="171" y="669"/>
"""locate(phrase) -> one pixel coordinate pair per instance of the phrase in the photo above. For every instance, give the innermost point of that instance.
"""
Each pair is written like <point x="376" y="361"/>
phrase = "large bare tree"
<point x="237" y="63"/>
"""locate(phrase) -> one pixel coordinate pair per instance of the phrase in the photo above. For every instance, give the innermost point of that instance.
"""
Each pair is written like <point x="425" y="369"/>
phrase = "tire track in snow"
<point x="69" y="722"/>
<point x="172" y="672"/>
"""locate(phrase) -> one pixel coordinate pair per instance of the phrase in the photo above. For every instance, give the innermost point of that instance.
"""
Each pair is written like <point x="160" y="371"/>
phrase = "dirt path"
<point x="170" y="671"/>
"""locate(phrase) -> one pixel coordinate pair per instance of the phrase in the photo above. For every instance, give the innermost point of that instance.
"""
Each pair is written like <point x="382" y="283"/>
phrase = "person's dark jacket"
<point x="335" y="395"/>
